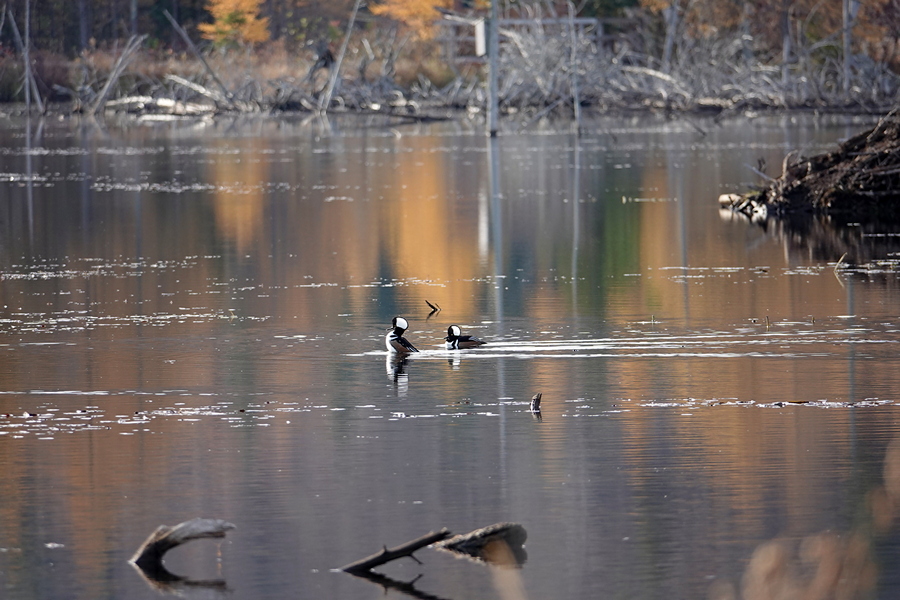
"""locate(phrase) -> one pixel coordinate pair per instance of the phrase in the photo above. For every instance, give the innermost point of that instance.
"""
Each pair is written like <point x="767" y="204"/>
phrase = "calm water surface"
<point x="192" y="321"/>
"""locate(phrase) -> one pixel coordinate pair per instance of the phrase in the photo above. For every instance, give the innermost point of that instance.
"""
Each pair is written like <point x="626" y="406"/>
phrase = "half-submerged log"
<point x="386" y="555"/>
<point x="149" y="556"/>
<point x="500" y="544"/>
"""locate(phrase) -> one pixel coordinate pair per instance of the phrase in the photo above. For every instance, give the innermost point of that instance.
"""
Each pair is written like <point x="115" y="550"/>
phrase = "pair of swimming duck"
<point x="395" y="341"/>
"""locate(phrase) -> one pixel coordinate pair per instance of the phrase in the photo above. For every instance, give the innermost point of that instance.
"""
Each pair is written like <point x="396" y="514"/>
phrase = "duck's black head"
<point x="399" y="324"/>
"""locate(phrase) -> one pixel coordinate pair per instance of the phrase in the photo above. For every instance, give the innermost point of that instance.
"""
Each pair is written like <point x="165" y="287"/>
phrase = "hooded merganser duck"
<point x="394" y="340"/>
<point x="455" y="341"/>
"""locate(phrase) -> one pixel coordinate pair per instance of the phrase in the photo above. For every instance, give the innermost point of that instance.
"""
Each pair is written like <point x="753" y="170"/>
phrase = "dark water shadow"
<point x="164" y="581"/>
<point x="390" y="584"/>
<point x="831" y="238"/>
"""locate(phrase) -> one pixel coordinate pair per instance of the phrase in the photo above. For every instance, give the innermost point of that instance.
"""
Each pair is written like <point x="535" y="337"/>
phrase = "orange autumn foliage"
<point x="235" y="22"/>
<point x="418" y="15"/>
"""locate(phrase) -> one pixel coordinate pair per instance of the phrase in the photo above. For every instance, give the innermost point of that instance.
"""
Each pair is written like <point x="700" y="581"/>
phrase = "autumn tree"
<point x="235" y="22"/>
<point x="418" y="15"/>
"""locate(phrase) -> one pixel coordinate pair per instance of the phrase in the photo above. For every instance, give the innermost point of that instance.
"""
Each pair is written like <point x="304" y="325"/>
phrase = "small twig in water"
<point x="837" y="269"/>
<point x="840" y="261"/>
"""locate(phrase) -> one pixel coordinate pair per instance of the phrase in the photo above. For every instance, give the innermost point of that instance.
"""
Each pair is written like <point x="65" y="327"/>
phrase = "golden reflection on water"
<point x="239" y="201"/>
<point x="255" y="314"/>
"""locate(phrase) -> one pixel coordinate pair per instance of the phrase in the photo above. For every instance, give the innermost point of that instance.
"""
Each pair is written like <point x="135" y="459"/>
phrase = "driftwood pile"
<point x="860" y="181"/>
<point x="500" y="545"/>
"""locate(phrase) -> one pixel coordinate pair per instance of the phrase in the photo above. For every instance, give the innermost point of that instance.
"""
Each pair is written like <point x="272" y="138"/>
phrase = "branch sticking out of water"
<point x="386" y="555"/>
<point x="435" y="308"/>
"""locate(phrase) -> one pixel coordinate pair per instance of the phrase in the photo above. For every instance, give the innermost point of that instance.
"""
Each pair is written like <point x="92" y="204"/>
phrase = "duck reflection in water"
<point x="395" y="364"/>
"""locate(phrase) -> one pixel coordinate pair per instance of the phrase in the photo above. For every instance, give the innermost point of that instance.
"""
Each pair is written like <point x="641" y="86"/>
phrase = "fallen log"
<point x="386" y="555"/>
<point x="145" y="105"/>
<point x="213" y="95"/>
<point x="150" y="554"/>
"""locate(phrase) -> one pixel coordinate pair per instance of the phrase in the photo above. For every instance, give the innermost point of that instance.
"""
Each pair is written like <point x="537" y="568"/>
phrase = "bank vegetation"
<point x="684" y="55"/>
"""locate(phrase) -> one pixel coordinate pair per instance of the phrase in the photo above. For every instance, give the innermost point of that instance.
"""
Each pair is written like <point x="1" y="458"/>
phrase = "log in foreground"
<point x="149" y="556"/>
<point x="500" y="544"/>
<point x="386" y="555"/>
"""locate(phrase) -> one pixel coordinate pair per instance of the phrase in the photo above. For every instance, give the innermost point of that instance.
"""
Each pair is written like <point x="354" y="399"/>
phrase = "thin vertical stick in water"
<point x="27" y="56"/>
<point x="134" y="43"/>
<point x="493" y="70"/>
<point x="573" y="72"/>
<point x="29" y="75"/>
<point x="325" y="100"/>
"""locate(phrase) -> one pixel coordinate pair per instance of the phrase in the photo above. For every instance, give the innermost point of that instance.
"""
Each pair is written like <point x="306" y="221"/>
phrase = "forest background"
<point x="280" y="54"/>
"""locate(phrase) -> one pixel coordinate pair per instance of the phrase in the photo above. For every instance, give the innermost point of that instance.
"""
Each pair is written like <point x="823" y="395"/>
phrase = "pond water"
<point x="192" y="322"/>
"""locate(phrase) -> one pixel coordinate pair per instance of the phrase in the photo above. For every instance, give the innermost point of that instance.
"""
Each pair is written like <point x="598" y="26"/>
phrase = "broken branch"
<point x="386" y="555"/>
